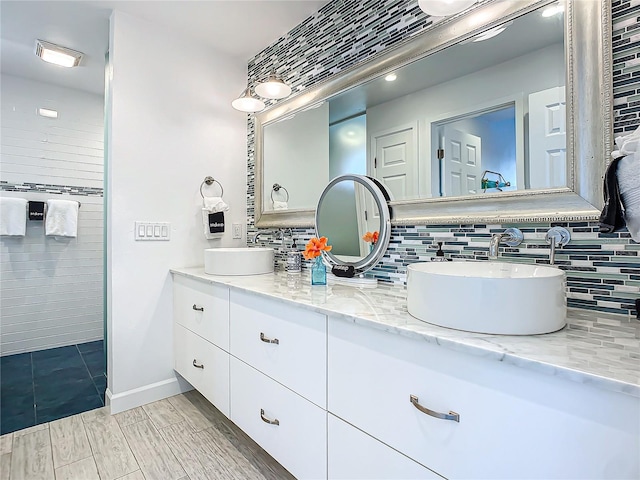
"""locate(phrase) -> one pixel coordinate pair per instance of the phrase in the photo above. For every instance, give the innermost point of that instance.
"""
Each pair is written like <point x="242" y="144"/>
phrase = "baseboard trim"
<point x="120" y="402"/>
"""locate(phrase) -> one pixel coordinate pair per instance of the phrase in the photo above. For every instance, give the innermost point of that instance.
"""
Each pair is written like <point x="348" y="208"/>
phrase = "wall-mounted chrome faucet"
<point x="511" y="237"/>
<point x="556" y="237"/>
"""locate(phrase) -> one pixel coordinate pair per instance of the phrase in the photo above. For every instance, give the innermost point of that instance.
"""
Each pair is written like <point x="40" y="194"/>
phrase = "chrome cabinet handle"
<point x="196" y="365"/>
<point x="444" y="416"/>
<point x="266" y="420"/>
<point x="198" y="309"/>
<point x="269" y="340"/>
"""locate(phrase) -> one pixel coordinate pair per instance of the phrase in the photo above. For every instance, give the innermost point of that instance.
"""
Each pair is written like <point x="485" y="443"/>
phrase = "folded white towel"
<point x="13" y="216"/>
<point x="627" y="144"/>
<point x="279" y="205"/>
<point x="215" y="204"/>
<point x="628" y="174"/>
<point x="61" y="218"/>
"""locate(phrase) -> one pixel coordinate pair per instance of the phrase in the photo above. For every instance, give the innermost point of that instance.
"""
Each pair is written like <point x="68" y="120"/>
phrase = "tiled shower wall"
<point x="603" y="270"/>
<point x="51" y="289"/>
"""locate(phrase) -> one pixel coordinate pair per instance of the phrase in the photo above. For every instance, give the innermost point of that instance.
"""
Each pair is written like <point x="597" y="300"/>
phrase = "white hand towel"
<point x="628" y="174"/>
<point x="280" y="205"/>
<point x="627" y="144"/>
<point x="215" y="204"/>
<point x="61" y="218"/>
<point x="13" y="216"/>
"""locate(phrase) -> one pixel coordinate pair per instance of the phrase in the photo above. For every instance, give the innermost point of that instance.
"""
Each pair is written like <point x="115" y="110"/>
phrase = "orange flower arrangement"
<point x="315" y="247"/>
<point x="371" y="237"/>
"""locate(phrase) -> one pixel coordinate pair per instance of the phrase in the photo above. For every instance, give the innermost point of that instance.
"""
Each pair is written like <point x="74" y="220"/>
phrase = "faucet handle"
<point x="559" y="235"/>
<point x="512" y="237"/>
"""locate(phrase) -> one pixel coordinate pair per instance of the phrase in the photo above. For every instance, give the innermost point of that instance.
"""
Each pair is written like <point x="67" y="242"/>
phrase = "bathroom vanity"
<point x="340" y="382"/>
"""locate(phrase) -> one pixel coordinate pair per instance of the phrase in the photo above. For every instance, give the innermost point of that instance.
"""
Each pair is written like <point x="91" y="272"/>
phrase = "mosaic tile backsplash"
<point x="51" y="188"/>
<point x="603" y="270"/>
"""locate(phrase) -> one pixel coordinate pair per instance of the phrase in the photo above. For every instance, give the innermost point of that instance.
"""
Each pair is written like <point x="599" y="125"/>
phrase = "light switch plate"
<point x="152" y="231"/>
<point x="237" y="230"/>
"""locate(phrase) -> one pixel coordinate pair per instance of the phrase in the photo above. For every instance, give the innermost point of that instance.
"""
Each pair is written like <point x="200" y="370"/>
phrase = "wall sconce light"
<point x="52" y="53"/>
<point x="443" y="8"/>
<point x="494" y="32"/>
<point x="274" y="88"/>
<point x="247" y="102"/>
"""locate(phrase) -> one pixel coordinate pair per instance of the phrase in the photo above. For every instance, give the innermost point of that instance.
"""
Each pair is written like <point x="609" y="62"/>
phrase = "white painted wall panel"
<point x="171" y="124"/>
<point x="51" y="290"/>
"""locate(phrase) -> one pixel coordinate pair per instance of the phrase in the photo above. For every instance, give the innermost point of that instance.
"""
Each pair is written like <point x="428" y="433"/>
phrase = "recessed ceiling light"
<point x="46" y="112"/>
<point x="52" y="53"/>
<point x="553" y="10"/>
<point x="391" y="77"/>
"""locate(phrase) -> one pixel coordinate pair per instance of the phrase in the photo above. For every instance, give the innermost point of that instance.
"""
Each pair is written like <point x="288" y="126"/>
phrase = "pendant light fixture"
<point x="443" y="8"/>
<point x="247" y="102"/>
<point x="274" y="88"/>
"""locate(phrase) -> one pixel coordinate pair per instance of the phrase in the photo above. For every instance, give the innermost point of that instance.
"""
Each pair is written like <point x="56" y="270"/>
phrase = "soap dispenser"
<point x="439" y="254"/>
<point x="294" y="259"/>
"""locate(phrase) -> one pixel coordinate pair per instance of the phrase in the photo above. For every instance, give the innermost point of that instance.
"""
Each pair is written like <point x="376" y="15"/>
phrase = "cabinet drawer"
<point x="354" y="455"/>
<point x="514" y="423"/>
<point x="203" y="308"/>
<point x="299" y="441"/>
<point x="298" y="359"/>
<point x="203" y="365"/>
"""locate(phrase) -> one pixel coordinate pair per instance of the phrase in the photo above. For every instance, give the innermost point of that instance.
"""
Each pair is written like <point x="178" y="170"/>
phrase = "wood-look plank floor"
<point x="179" y="438"/>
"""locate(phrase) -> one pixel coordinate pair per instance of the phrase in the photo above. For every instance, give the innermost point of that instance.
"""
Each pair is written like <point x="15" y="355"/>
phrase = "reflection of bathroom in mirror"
<point x="346" y="215"/>
<point x="495" y="105"/>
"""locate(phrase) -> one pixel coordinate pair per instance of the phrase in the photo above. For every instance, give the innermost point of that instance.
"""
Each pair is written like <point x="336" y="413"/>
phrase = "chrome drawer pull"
<point x="444" y="416"/>
<point x="266" y="420"/>
<point x="269" y="340"/>
<point x="196" y="365"/>
<point x="198" y="309"/>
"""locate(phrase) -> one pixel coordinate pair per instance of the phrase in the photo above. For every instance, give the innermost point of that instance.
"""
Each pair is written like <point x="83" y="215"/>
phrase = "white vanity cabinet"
<point x="354" y="455"/>
<point x="201" y="338"/>
<point x="329" y="398"/>
<point x="202" y="308"/>
<point x="513" y="423"/>
<point x="279" y="382"/>
<point x="284" y="342"/>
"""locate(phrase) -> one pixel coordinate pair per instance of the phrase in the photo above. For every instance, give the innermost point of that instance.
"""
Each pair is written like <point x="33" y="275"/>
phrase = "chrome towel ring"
<point x="210" y="181"/>
<point x="276" y="188"/>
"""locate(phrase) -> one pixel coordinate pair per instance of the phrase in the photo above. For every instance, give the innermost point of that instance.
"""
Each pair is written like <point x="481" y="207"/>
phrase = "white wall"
<point x="513" y="79"/>
<point x="170" y="124"/>
<point x="51" y="291"/>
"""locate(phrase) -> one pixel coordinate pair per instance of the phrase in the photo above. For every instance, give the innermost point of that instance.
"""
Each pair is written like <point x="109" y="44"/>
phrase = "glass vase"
<point x="318" y="272"/>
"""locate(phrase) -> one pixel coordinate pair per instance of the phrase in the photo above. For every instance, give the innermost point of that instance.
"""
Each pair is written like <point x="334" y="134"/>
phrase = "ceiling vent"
<point x="52" y="53"/>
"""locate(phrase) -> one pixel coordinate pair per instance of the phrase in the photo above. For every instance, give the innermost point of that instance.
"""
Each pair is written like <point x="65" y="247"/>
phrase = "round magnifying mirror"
<point x="354" y="216"/>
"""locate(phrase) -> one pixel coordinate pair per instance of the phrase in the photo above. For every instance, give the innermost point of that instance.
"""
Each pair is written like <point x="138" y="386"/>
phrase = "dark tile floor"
<point x="46" y="385"/>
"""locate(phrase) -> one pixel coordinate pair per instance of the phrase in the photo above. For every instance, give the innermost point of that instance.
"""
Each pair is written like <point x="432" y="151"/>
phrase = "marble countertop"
<point x="598" y="349"/>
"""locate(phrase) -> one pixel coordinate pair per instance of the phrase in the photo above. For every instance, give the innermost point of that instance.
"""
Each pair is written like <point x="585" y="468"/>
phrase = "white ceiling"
<point x="238" y="28"/>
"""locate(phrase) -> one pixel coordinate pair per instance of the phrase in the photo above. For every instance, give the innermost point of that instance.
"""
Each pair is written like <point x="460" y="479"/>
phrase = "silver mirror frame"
<point x="589" y="121"/>
<point x="384" y="234"/>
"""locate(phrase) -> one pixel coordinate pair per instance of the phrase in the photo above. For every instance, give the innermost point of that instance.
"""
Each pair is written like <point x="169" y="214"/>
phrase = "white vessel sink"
<point x="488" y="297"/>
<point x="238" y="261"/>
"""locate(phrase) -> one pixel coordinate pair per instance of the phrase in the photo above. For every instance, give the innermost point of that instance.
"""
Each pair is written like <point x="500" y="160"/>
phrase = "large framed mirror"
<point x="354" y="216"/>
<point x="477" y="127"/>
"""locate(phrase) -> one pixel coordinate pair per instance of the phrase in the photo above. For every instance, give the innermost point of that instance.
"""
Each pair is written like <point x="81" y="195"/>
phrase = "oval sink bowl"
<point x="238" y="261"/>
<point x="488" y="297"/>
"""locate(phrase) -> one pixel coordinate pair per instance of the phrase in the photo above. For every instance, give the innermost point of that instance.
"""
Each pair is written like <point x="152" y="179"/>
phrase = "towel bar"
<point x="210" y="181"/>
